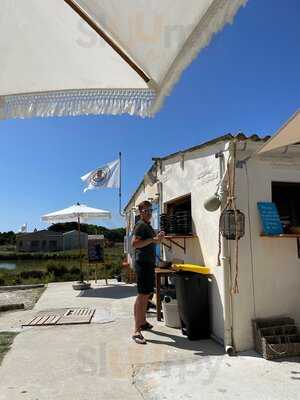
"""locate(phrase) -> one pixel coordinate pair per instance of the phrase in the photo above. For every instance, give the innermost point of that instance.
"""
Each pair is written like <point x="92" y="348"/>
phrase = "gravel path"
<point x="29" y="297"/>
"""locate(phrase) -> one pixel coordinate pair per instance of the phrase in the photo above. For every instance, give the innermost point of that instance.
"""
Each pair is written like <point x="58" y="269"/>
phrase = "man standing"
<point x="143" y="242"/>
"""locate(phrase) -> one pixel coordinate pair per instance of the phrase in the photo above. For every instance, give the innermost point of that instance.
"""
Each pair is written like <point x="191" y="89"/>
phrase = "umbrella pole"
<point x="80" y="285"/>
<point x="80" y="252"/>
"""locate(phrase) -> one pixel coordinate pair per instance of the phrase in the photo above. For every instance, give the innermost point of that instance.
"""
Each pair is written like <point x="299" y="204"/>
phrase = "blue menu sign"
<point x="270" y="219"/>
<point x="95" y="250"/>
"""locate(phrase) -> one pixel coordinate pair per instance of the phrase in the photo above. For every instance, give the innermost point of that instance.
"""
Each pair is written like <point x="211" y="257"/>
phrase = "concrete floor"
<point x="100" y="361"/>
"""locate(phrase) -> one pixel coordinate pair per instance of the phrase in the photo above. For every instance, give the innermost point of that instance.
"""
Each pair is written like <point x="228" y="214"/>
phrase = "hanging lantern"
<point x="212" y="203"/>
<point x="231" y="225"/>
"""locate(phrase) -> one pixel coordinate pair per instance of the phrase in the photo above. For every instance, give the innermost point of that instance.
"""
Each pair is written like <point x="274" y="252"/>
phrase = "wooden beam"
<point x="107" y="39"/>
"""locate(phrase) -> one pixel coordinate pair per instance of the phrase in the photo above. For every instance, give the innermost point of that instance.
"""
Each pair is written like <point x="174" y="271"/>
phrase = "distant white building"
<point x="48" y="241"/>
<point x="71" y="240"/>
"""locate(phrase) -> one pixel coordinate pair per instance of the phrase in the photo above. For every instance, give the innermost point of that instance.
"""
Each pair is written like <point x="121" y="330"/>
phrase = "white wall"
<point x="199" y="176"/>
<point x="269" y="279"/>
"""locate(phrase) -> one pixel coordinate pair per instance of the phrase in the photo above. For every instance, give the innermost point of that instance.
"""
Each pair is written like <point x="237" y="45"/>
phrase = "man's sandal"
<point x="139" y="339"/>
<point x="146" y="327"/>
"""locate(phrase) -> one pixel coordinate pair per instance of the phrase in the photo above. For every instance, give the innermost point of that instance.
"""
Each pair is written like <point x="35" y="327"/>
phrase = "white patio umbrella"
<point x="74" y="57"/>
<point x="77" y="213"/>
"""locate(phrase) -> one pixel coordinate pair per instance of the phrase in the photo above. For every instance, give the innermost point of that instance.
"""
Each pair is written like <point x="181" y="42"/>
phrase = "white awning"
<point x="67" y="57"/>
<point x="288" y="134"/>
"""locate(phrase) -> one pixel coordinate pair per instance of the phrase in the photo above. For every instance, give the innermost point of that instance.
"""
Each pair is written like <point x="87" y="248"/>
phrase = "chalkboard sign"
<point x="95" y="250"/>
<point x="270" y="220"/>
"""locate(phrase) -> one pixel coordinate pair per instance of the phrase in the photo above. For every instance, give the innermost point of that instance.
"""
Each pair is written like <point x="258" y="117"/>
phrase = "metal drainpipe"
<point x="159" y="183"/>
<point x="160" y="197"/>
<point x="225" y="265"/>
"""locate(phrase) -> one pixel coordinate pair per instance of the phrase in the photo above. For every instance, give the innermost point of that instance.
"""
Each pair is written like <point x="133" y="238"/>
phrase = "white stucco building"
<point x="269" y="267"/>
<point x="71" y="240"/>
<point x="47" y="241"/>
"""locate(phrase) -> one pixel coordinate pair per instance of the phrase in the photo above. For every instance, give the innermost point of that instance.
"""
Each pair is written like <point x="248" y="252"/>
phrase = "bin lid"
<point x="200" y="269"/>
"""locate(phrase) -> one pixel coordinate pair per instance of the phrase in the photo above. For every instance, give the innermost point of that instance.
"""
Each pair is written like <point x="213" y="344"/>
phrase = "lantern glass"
<point x="230" y="227"/>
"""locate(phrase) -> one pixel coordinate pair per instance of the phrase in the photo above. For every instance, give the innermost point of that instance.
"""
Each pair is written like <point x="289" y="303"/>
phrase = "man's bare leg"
<point x="150" y="296"/>
<point x="140" y="308"/>
<point x="134" y="310"/>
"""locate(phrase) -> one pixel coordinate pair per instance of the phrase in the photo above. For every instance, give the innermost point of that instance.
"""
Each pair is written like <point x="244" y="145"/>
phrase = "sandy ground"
<point x="28" y="297"/>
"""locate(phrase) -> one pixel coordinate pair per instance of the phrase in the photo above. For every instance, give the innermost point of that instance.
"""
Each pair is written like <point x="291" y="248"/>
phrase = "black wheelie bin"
<point x="193" y="304"/>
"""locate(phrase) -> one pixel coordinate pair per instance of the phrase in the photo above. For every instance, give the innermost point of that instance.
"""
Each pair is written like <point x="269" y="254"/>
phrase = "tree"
<point x="7" y="238"/>
<point x="115" y="235"/>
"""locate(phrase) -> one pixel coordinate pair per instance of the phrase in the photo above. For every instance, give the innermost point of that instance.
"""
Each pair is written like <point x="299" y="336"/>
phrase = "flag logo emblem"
<point x="100" y="176"/>
<point x="108" y="176"/>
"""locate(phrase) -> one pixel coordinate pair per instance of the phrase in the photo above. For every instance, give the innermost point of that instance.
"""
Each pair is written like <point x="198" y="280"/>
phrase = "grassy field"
<point x="60" y="269"/>
<point x="10" y="253"/>
<point x="6" y="340"/>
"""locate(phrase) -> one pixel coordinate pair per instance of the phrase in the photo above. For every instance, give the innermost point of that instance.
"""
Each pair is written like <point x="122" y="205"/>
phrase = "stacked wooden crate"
<point x="276" y="337"/>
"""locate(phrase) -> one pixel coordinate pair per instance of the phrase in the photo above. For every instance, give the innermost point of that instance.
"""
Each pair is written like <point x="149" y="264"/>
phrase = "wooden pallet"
<point x="64" y="316"/>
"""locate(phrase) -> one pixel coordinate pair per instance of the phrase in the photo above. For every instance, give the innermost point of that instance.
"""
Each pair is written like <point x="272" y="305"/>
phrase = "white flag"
<point x="107" y="176"/>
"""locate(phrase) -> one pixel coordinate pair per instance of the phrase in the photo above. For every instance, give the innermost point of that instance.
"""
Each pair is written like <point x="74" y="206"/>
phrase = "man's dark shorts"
<point x="145" y="278"/>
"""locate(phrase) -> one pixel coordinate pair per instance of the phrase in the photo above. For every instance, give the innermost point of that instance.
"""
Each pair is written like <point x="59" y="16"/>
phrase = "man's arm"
<point x="137" y="242"/>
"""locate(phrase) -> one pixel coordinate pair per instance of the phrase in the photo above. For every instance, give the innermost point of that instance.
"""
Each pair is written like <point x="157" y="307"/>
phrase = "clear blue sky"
<point x="246" y="80"/>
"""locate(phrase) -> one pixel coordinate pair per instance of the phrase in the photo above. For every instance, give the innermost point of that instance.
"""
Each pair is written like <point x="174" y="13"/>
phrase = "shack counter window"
<point x="177" y="218"/>
<point x="286" y="196"/>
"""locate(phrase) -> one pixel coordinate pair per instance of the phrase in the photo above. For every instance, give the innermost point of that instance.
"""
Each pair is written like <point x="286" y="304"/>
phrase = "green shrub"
<point x="57" y="270"/>
<point x="75" y="270"/>
<point x="18" y="280"/>
<point x="32" y="274"/>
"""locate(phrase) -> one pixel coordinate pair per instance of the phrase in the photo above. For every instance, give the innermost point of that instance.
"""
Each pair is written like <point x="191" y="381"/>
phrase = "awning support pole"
<point x="107" y="39"/>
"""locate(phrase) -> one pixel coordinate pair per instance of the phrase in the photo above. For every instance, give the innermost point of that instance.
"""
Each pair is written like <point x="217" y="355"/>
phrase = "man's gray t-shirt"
<point x="145" y="255"/>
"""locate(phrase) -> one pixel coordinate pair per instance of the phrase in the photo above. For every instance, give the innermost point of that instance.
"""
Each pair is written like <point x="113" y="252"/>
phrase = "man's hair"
<point x="144" y="204"/>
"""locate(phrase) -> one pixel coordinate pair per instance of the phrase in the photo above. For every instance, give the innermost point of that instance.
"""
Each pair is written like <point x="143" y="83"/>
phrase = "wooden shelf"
<point x="282" y="235"/>
<point x="285" y="236"/>
<point x="180" y="236"/>
<point x="172" y="238"/>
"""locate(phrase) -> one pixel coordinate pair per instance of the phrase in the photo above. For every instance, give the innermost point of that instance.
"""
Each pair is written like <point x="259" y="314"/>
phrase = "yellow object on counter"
<point x="200" y="269"/>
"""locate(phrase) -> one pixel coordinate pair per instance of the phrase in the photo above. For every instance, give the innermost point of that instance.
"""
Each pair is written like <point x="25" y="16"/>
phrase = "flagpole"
<point x="120" y="185"/>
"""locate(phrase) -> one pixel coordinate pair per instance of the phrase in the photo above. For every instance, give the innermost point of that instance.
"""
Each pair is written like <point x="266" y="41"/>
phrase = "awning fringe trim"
<point x="78" y="102"/>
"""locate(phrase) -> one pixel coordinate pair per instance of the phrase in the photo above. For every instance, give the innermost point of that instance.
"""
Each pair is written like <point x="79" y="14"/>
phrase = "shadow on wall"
<point x="192" y="255"/>
<point x="195" y="248"/>
<point x="216" y="309"/>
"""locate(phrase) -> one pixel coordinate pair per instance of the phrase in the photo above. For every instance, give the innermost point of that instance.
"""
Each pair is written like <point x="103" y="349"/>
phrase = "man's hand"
<point x="159" y="237"/>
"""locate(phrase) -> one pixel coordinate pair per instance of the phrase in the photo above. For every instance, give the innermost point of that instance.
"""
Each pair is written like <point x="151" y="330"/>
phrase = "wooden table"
<point x="159" y="273"/>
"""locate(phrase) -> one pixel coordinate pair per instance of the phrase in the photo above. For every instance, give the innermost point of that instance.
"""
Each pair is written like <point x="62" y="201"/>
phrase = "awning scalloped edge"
<point x="78" y="102"/>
